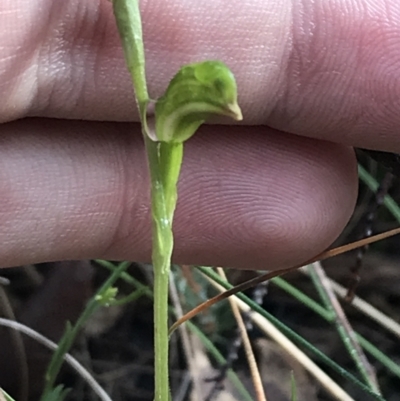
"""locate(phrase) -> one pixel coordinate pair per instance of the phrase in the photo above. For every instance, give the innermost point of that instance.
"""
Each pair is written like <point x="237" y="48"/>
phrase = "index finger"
<point x="324" y="68"/>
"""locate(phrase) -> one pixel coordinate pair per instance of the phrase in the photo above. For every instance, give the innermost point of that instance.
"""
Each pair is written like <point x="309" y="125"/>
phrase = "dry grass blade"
<point x="255" y="372"/>
<point x="366" y="308"/>
<point x="354" y="245"/>
<point x="186" y="342"/>
<point x="264" y="277"/>
<point x="68" y="358"/>
<point x="269" y="329"/>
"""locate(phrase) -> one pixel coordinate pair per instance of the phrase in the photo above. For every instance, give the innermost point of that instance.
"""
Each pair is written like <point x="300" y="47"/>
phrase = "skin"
<point x="314" y="78"/>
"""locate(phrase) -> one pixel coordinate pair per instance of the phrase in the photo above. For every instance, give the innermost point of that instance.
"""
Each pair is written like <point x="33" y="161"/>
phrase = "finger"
<point x="76" y="191"/>
<point x="342" y="74"/>
<point x="325" y="68"/>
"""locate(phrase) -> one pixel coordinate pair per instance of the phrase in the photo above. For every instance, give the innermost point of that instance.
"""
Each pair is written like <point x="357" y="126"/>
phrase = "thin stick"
<point x="255" y="372"/>
<point x="329" y="317"/>
<point x="264" y="277"/>
<point x="186" y="342"/>
<point x="366" y="308"/>
<point x="269" y="329"/>
<point x="354" y="245"/>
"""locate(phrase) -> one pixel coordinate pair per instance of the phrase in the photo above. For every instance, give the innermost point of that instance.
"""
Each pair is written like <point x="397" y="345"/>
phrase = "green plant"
<point x="196" y="92"/>
<point x="105" y="296"/>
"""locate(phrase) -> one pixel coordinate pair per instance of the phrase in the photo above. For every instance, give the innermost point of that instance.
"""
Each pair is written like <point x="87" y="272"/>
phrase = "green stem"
<point x="129" y="23"/>
<point x="343" y="327"/>
<point x="163" y="200"/>
<point x="161" y="335"/>
<point x="208" y="88"/>
<point x="204" y="339"/>
<point x="164" y="165"/>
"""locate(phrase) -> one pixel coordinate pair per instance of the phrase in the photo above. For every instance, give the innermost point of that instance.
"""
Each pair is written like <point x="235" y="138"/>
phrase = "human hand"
<point x="258" y="196"/>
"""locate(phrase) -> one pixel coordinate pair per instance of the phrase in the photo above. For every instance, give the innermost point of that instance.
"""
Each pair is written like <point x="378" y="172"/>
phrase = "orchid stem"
<point x="163" y="196"/>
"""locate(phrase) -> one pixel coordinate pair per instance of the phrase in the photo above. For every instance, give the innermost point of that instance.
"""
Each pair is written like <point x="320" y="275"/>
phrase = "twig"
<point x="268" y="328"/>
<point x="186" y="342"/>
<point x="366" y="308"/>
<point x="267" y="276"/>
<point x="343" y="326"/>
<point x="330" y="317"/>
<point x="53" y="346"/>
<point x="255" y="372"/>
<point x="233" y="350"/>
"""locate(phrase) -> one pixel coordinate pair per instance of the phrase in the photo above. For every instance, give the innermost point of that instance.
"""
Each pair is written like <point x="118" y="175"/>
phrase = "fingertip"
<point x="268" y="201"/>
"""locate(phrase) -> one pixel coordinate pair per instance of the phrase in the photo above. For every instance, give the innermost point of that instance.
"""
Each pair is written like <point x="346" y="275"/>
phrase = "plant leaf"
<point x="56" y="394"/>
